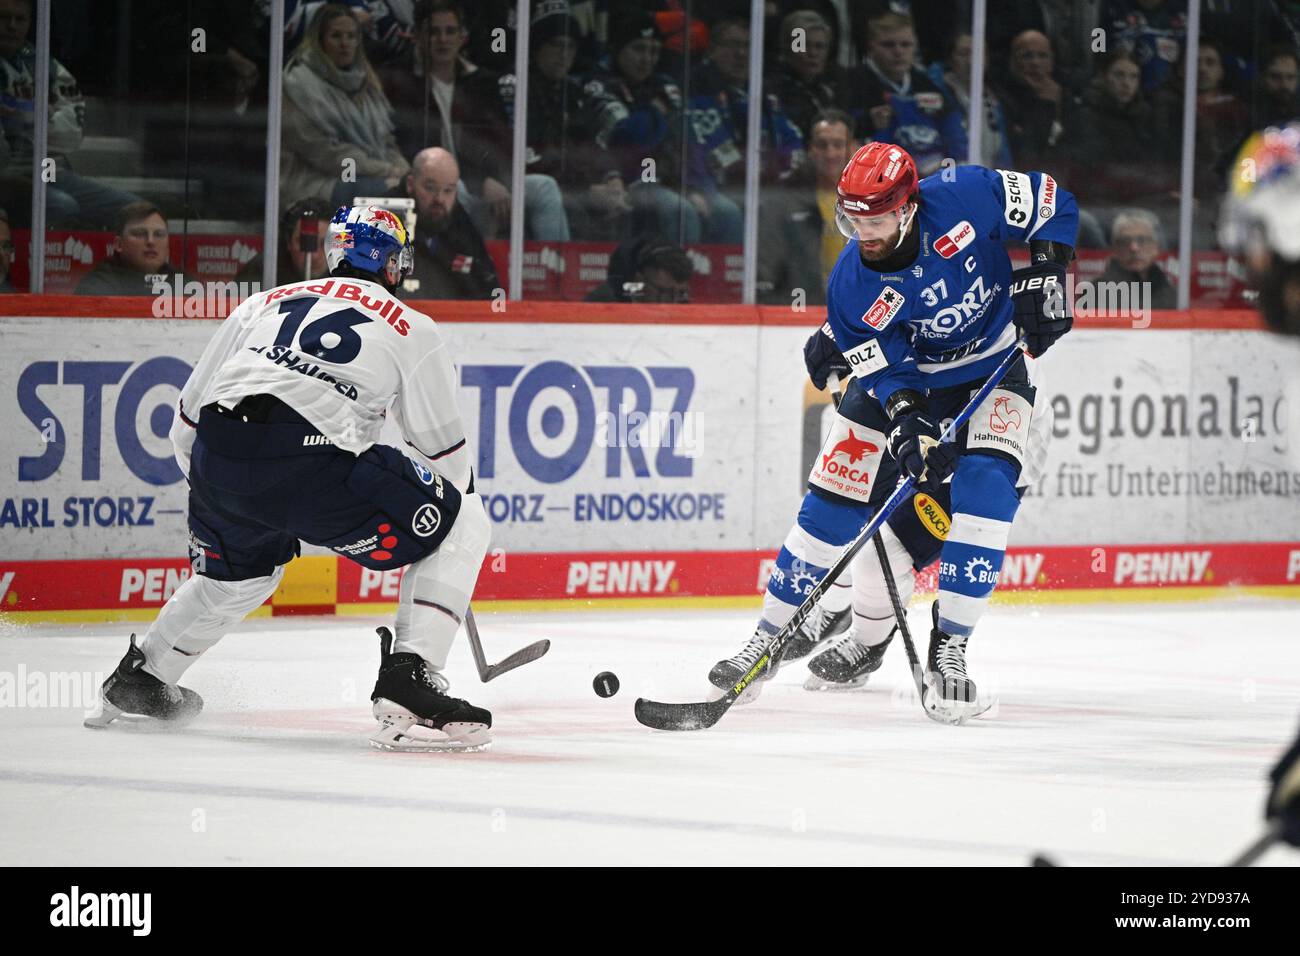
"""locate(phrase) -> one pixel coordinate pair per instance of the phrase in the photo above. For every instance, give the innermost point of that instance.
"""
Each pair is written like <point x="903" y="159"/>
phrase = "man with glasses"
<point x="647" y="269"/>
<point x="139" y="253"/>
<point x="442" y="99"/>
<point x="1135" y="246"/>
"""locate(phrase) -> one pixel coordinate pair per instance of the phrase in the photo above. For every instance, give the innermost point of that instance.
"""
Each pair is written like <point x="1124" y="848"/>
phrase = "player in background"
<point x="1261" y="224"/>
<point x="276" y="430"/>
<point x="920" y="309"/>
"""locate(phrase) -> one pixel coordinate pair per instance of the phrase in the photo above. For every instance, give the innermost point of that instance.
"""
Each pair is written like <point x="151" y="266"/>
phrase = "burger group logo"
<point x="979" y="570"/>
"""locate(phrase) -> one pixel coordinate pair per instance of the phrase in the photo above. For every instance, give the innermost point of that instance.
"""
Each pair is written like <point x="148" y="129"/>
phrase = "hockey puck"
<point x="605" y="684"/>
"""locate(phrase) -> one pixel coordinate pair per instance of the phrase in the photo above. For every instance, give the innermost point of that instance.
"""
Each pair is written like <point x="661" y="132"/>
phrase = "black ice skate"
<point x="948" y="694"/>
<point x="131" y="690"/>
<point x="414" y="711"/>
<point x="820" y="625"/>
<point x="847" y="665"/>
<point x="727" y="673"/>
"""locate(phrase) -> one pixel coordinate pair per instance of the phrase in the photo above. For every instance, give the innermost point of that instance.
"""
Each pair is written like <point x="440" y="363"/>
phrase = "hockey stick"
<point x="697" y="716"/>
<point x="1261" y="846"/>
<point x="519" y="658"/>
<point x="1258" y="848"/>
<point x="900" y="613"/>
<point x="895" y="601"/>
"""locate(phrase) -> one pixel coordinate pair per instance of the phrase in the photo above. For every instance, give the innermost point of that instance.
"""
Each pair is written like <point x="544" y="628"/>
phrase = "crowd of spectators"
<point x="638" y="113"/>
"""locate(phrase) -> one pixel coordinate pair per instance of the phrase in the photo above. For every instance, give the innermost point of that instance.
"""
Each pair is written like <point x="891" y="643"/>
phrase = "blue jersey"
<point x="945" y="318"/>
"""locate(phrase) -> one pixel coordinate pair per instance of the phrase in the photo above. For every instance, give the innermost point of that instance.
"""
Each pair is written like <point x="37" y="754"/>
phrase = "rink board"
<point x="133" y="590"/>
<point x="660" y="458"/>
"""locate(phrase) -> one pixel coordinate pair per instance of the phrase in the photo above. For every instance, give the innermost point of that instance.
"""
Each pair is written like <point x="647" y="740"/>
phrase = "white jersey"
<point x="341" y="352"/>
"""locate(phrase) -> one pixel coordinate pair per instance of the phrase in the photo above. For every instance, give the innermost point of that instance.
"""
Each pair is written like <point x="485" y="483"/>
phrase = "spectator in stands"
<point x="1034" y="102"/>
<point x="805" y="81"/>
<point x="291" y="263"/>
<point x="70" y="199"/>
<point x="451" y="261"/>
<point x="6" y="253"/>
<point x="337" y="131"/>
<point x="1275" y="101"/>
<point x="646" y="269"/>
<point x="935" y="22"/>
<point x="442" y="99"/>
<point x="1221" y="121"/>
<point x="836" y="14"/>
<point x="569" y="126"/>
<point x="719" y="107"/>
<point x="139" y="253"/>
<point x="1135" y="240"/>
<point x="648" y="127"/>
<point x="491" y="27"/>
<point x="892" y="99"/>
<point x="952" y="76"/>
<point x="1071" y="24"/>
<point x="1123" y="147"/>
<point x="798" y="241"/>
<point x="1153" y="31"/>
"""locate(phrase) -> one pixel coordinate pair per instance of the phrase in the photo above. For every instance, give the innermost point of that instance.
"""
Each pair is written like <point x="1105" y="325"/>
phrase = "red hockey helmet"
<point x="879" y="179"/>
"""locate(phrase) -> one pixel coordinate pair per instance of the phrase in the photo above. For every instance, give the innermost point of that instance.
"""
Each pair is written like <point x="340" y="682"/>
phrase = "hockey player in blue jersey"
<point x="920" y="309"/>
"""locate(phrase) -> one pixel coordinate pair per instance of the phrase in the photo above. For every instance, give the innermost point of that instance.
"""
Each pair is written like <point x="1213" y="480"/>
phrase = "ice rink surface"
<point x="1125" y="735"/>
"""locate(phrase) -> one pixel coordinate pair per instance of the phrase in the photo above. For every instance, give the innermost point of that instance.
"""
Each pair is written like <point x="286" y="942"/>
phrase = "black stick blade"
<point x="525" y="655"/>
<point x="660" y="716"/>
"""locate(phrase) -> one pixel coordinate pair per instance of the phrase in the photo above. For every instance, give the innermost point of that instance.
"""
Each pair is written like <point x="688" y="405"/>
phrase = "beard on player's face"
<point x="876" y="249"/>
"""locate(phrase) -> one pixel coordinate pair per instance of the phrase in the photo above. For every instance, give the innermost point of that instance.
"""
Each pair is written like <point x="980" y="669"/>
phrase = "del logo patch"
<point x="955" y="239"/>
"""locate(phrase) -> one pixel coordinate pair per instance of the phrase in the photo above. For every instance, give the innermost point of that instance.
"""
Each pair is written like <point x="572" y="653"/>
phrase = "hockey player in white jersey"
<point x="277" y="432"/>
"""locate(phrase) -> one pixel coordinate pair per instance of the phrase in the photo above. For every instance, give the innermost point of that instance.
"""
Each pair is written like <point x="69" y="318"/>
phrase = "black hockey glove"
<point x="823" y="356"/>
<point x="914" y="440"/>
<point x="1041" y="310"/>
<point x="1284" y="799"/>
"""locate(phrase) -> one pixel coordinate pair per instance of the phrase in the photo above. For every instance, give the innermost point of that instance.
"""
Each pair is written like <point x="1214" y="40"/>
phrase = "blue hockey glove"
<point x="823" y="356"/>
<point x="914" y="440"/>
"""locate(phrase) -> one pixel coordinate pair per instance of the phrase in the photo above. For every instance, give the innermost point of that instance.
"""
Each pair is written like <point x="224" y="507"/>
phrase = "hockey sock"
<point x="196" y="616"/>
<point x="436" y="590"/>
<point x="873" y="612"/>
<point x="984" y="502"/>
<point x="820" y="533"/>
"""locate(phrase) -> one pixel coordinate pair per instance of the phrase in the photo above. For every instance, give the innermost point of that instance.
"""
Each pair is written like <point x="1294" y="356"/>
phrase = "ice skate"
<point x="414" y="711"/>
<point x="131" y="691"/>
<point x="948" y="694"/>
<point x="847" y="665"/>
<point x="819" y="626"/>
<point x="728" y="672"/>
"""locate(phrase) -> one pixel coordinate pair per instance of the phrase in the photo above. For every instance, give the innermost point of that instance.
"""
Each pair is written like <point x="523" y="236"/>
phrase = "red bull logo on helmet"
<point x="378" y="216"/>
